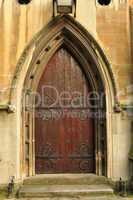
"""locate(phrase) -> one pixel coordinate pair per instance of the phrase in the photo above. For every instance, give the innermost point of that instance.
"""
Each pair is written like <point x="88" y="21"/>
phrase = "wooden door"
<point x="64" y="132"/>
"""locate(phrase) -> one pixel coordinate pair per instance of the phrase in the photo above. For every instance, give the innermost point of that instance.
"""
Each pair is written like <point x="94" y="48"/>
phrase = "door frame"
<point x="64" y="31"/>
<point x="99" y="123"/>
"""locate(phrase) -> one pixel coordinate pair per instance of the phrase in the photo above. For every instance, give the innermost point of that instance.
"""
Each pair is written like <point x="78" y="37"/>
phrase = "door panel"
<point x="64" y="132"/>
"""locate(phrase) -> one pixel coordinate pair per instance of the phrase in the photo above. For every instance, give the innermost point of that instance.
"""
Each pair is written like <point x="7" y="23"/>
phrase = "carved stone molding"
<point x="8" y="108"/>
<point x="128" y="108"/>
<point x="64" y="30"/>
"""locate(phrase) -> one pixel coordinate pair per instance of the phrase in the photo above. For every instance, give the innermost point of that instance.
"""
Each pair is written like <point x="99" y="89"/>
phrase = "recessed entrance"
<point x="64" y="123"/>
<point x="68" y="128"/>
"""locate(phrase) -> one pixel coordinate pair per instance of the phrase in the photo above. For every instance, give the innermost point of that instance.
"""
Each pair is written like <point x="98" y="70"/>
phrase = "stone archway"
<point x="64" y="31"/>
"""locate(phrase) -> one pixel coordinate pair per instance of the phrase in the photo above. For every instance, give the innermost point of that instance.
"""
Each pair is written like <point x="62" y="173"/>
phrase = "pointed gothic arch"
<point x="64" y="31"/>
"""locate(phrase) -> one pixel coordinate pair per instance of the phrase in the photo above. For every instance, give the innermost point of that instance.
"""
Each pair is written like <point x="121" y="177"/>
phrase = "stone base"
<point x="73" y="191"/>
<point x="66" y="179"/>
<point x="63" y="186"/>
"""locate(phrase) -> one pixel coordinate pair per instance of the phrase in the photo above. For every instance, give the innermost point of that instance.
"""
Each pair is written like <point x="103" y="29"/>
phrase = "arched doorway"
<point x="64" y="122"/>
<point x="65" y="32"/>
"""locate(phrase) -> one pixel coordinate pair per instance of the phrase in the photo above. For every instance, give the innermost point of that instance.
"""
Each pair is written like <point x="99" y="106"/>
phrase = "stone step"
<point x="80" y="198"/>
<point x="65" y="191"/>
<point x="66" y="179"/>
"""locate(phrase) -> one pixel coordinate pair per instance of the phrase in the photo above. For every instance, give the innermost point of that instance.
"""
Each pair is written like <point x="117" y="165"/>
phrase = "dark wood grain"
<point x="64" y="143"/>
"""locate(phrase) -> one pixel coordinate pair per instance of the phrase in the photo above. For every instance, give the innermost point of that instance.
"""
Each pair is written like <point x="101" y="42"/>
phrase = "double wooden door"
<point x="64" y="128"/>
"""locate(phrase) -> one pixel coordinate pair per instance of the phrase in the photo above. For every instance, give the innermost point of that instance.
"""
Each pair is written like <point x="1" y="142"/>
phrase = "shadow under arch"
<point x="65" y="31"/>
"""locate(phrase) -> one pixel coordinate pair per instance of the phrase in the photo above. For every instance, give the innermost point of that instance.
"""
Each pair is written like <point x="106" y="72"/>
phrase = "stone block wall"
<point x="111" y="26"/>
